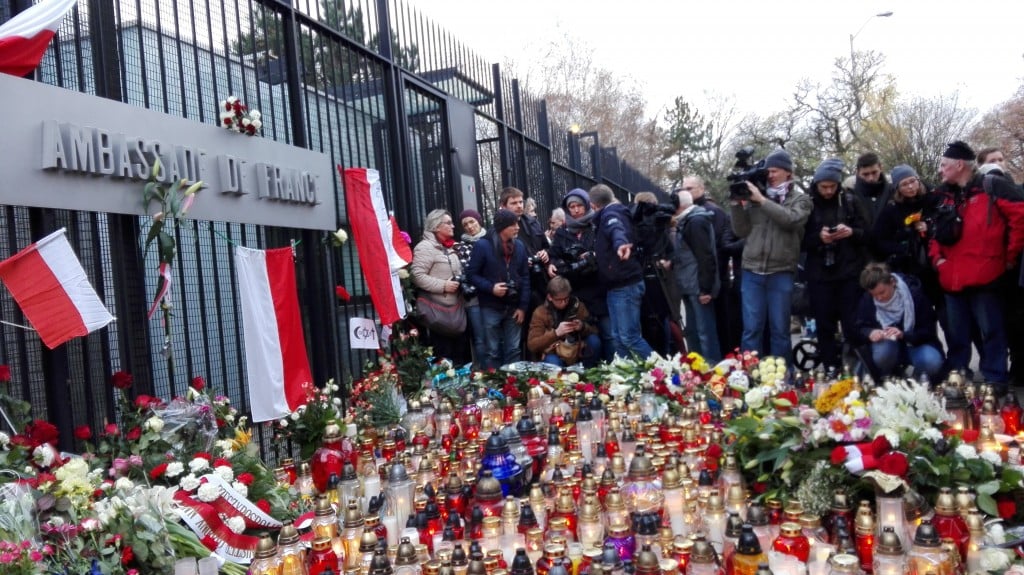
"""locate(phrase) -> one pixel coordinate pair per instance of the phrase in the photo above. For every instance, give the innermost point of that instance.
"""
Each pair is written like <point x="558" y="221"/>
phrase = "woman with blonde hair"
<point x="435" y="272"/>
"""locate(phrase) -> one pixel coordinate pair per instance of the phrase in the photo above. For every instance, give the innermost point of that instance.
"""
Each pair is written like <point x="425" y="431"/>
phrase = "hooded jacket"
<point x="575" y="237"/>
<point x="773" y="232"/>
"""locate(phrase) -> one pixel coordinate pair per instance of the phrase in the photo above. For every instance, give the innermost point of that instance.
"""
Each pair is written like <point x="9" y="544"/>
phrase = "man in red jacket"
<point x="970" y="255"/>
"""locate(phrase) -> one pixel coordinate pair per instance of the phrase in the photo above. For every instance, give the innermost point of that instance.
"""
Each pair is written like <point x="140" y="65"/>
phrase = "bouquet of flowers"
<point x="237" y="117"/>
<point x="305" y="427"/>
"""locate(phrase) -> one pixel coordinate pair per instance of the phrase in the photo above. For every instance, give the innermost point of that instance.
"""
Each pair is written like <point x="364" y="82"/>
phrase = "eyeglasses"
<point x="559" y="299"/>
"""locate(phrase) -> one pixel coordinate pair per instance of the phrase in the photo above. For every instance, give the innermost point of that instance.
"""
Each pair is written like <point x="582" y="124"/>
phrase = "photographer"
<point x="573" y="257"/>
<point x="772" y="223"/>
<point x="834" y="242"/>
<point x="561" y="330"/>
<point x="497" y="268"/>
<point x="652" y="223"/>
<point x="435" y="271"/>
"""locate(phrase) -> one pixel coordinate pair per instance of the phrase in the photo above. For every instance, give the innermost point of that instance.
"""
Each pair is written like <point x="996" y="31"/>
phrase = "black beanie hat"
<point x="958" y="150"/>
<point x="504" y="219"/>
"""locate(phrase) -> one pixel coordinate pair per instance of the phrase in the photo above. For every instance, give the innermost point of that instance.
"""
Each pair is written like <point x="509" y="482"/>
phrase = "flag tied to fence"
<point x="50" y="286"/>
<point x="276" y="363"/>
<point x="24" y="38"/>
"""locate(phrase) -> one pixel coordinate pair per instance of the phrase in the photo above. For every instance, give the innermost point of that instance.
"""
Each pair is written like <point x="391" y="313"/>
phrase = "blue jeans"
<point x="502" y="337"/>
<point x="767" y="299"/>
<point x="476" y="325"/>
<point x="604" y="330"/>
<point x="925" y="358"/>
<point x="624" y="313"/>
<point x="589" y="358"/>
<point x="702" y="328"/>
<point x="978" y="310"/>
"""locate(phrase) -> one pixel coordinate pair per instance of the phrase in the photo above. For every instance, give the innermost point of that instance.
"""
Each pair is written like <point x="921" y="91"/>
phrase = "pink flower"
<point x="36" y="556"/>
<point x="120" y="465"/>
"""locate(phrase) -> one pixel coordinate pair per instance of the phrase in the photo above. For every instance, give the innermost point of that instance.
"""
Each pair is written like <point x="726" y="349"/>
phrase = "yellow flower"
<point x="833" y="396"/>
<point x="242" y="438"/>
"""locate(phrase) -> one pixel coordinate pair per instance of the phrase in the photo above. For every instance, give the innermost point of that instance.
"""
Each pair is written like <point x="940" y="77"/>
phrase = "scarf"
<point x="472" y="238"/>
<point x="446" y="243"/>
<point x="899" y="310"/>
<point x="577" y="225"/>
<point x="778" y="193"/>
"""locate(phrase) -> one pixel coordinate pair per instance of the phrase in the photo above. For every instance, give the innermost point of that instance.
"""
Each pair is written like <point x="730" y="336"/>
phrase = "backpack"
<point x="949" y="223"/>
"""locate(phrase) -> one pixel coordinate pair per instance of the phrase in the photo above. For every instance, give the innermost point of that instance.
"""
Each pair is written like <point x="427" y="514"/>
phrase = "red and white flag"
<point x="276" y="363"/>
<point x="375" y="237"/>
<point x="24" y="38"/>
<point x="50" y="286"/>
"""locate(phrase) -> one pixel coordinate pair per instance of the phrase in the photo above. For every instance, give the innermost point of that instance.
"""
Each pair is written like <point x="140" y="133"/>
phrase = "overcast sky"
<point x="758" y="50"/>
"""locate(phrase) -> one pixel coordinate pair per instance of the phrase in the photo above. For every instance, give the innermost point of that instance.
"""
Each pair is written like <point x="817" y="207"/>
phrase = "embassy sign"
<point x="69" y="150"/>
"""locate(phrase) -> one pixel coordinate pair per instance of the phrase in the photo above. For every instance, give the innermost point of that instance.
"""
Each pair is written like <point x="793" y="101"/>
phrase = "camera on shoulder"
<point x="743" y="171"/>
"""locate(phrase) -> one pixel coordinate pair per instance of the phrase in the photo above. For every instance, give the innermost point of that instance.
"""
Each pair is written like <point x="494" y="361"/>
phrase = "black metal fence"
<point x="411" y="102"/>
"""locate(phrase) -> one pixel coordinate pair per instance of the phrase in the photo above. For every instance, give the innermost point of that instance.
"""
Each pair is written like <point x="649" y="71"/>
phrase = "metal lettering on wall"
<point x="71" y="150"/>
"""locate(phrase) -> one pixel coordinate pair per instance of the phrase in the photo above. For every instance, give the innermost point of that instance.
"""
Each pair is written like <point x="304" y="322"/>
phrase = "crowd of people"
<point x="882" y="261"/>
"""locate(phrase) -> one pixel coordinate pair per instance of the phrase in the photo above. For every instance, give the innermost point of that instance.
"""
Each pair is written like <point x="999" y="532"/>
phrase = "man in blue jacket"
<point x="497" y="267"/>
<point x="621" y="272"/>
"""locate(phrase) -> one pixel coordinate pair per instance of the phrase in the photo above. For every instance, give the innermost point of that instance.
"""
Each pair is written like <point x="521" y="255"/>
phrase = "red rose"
<point x="264" y="506"/>
<point x="40" y="432"/>
<point x="127" y="555"/>
<point x="714" y="451"/>
<point x="245" y="478"/>
<point x="838" y="455"/>
<point x="143" y="401"/>
<point x="121" y="380"/>
<point x="134" y="434"/>
<point x="158" y="471"/>
<point x="111" y="430"/>
<point x="220" y="423"/>
<point x="198" y="383"/>
<point x="5" y="373"/>
<point x="83" y="432"/>
<point x="894" y="463"/>
<point x="209" y="542"/>
<point x="759" y="487"/>
<point x="1006" y="507"/>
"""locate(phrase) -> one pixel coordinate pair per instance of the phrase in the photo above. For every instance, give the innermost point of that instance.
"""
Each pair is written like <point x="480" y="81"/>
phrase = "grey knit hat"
<point x="779" y="159"/>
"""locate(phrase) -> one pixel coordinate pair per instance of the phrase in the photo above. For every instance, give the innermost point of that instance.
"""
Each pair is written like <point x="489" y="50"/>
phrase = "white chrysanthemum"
<point x="236" y="524"/>
<point x="282" y="422"/>
<point x="124" y="484"/>
<point x="174" y="469"/>
<point x="754" y="398"/>
<point x="241" y="488"/>
<point x="208" y="492"/>
<point x="891" y="436"/>
<point x="225" y="472"/>
<point x="198" y="464"/>
<point x="966" y="451"/>
<point x="75" y="469"/>
<point x="189" y="482"/>
<point x="992" y="458"/>
<point x="994" y="559"/>
<point x="931" y="434"/>
<point x="155" y="424"/>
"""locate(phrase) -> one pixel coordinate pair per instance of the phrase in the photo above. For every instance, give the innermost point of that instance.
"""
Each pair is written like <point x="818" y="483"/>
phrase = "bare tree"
<point x="1004" y="127"/>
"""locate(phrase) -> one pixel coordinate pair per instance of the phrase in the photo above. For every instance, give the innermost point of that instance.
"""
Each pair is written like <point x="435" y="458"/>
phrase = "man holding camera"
<point x="572" y="257"/>
<point x="834" y="243"/>
<point x="621" y="273"/>
<point x="772" y="223"/>
<point x="497" y="267"/>
<point x="561" y="330"/>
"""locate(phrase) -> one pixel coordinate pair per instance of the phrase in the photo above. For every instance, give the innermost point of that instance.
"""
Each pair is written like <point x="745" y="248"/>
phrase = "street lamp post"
<point x="853" y="36"/>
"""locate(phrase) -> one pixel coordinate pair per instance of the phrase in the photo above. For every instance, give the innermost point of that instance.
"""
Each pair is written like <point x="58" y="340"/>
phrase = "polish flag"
<point x="276" y="363"/>
<point x="24" y="38"/>
<point x="375" y="236"/>
<point x="50" y="286"/>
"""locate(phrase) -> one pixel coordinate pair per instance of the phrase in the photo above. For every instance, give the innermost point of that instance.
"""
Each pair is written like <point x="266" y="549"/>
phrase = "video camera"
<point x="744" y="171"/>
<point x="580" y="261"/>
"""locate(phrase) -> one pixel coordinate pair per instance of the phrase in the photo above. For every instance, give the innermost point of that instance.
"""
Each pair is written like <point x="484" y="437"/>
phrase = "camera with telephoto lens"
<point x="511" y="290"/>
<point x="744" y="171"/>
<point x="467" y="289"/>
<point x="581" y="261"/>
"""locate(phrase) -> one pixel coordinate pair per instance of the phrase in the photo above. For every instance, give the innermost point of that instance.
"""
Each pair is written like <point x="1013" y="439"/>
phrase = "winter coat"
<point x="488" y="266"/>
<point x="992" y="239"/>
<point x="432" y="266"/>
<point x="728" y="247"/>
<point x="925" y="320"/>
<point x="546" y="318"/>
<point x="586" y="283"/>
<point x="694" y="262"/>
<point x="872" y="198"/>
<point x="899" y="244"/>
<point x="615" y="229"/>
<point x="847" y="255"/>
<point x="772" y="231"/>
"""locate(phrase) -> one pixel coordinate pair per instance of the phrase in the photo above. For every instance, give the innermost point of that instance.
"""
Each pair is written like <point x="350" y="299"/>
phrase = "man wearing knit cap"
<point x="833" y="240"/>
<point x="772" y="222"/>
<point x="970" y="256"/>
<point x="497" y="267"/>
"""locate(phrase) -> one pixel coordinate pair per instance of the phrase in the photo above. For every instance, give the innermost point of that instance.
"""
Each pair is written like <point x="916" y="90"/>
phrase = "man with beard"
<point x="572" y="256"/>
<point x="871" y="188"/>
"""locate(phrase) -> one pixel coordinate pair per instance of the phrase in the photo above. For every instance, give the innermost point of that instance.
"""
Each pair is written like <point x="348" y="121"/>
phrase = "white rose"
<point x="994" y="559"/>
<point x="44" y="455"/>
<point x="5" y="440"/>
<point x="754" y="398"/>
<point x="257" y="124"/>
<point x="174" y="469"/>
<point x="241" y="488"/>
<point x="295" y="416"/>
<point x="966" y="451"/>
<point x="198" y="464"/>
<point x="225" y="472"/>
<point x="189" y="482"/>
<point x="155" y="424"/>
<point x="208" y="492"/>
<point x="992" y="458"/>
<point x="255" y="115"/>
<point x="236" y="524"/>
<point x="283" y="423"/>
<point x="123" y="483"/>
<point x="574" y="377"/>
<point x="229" y="418"/>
